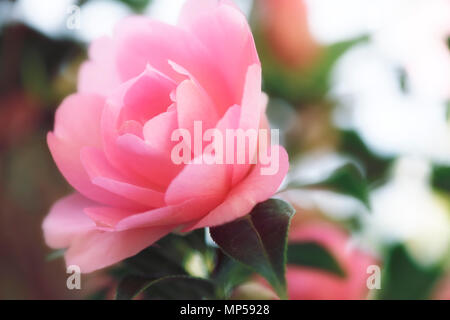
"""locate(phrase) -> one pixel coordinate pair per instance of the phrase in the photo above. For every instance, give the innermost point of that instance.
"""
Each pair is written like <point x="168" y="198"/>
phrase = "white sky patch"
<point x="166" y="11"/>
<point x="392" y="122"/>
<point x="417" y="39"/>
<point x="47" y="16"/>
<point x="332" y="21"/>
<point x="98" y="18"/>
<point x="6" y="8"/>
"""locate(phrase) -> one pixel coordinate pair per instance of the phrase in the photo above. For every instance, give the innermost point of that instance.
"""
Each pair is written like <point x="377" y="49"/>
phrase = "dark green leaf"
<point x="440" y="177"/>
<point x="170" y="287"/>
<point x="167" y="256"/>
<point x="136" y="5"/>
<point x="313" y="255"/>
<point x="195" y="240"/>
<point x="131" y="286"/>
<point x="353" y="145"/>
<point x="155" y="262"/>
<point x="347" y="180"/>
<point x="259" y="240"/>
<point x="404" y="279"/>
<point x="229" y="273"/>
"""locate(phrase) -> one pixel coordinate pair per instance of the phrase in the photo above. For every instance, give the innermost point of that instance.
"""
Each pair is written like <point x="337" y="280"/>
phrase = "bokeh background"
<point x="360" y="80"/>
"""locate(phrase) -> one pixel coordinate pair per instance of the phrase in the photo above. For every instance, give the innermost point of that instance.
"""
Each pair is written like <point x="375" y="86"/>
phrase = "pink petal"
<point x="99" y="249"/>
<point x="96" y="165"/>
<point x="133" y="127"/>
<point x="254" y="189"/>
<point x="225" y="33"/>
<point x="77" y="120"/>
<point x="193" y="207"/>
<point x="183" y="213"/>
<point x="105" y="176"/>
<point x="106" y="217"/>
<point x="99" y="74"/>
<point x="198" y="180"/>
<point x="193" y="9"/>
<point x="77" y="126"/>
<point x="154" y="165"/>
<point x="230" y="120"/>
<point x="141" y="41"/>
<point x="251" y="112"/>
<point x="146" y="197"/>
<point x="158" y="131"/>
<point x="252" y="100"/>
<point x="147" y="96"/>
<point x="193" y="104"/>
<point x="148" y="164"/>
<point x="66" y="220"/>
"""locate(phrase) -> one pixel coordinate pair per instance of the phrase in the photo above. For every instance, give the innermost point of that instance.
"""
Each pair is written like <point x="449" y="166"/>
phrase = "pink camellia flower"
<point x="112" y="140"/>
<point x="311" y="284"/>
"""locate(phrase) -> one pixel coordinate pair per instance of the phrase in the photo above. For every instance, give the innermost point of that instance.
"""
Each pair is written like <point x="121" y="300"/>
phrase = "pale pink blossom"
<point x="112" y="139"/>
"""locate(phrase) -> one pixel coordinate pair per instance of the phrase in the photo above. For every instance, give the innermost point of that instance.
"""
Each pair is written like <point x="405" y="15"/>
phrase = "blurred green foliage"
<point x="404" y="279"/>
<point x="440" y="177"/>
<point x="313" y="255"/>
<point x="37" y="72"/>
<point x="300" y="86"/>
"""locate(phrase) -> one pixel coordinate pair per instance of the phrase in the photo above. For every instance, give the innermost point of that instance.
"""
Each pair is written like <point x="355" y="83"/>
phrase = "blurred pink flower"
<point x="309" y="284"/>
<point x="285" y="25"/>
<point x="443" y="289"/>
<point x="112" y="139"/>
<point x="312" y="284"/>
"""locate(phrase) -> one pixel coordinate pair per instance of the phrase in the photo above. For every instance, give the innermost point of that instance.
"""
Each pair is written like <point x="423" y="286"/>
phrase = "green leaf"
<point x="300" y="86"/>
<point x="154" y="262"/>
<point x="168" y="256"/>
<point x="259" y="240"/>
<point x="405" y="279"/>
<point x="228" y="274"/>
<point x="136" y="5"/>
<point x="440" y="177"/>
<point x="170" y="287"/>
<point x="313" y="255"/>
<point x="347" y="180"/>
<point x="376" y="167"/>
<point x="195" y="240"/>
